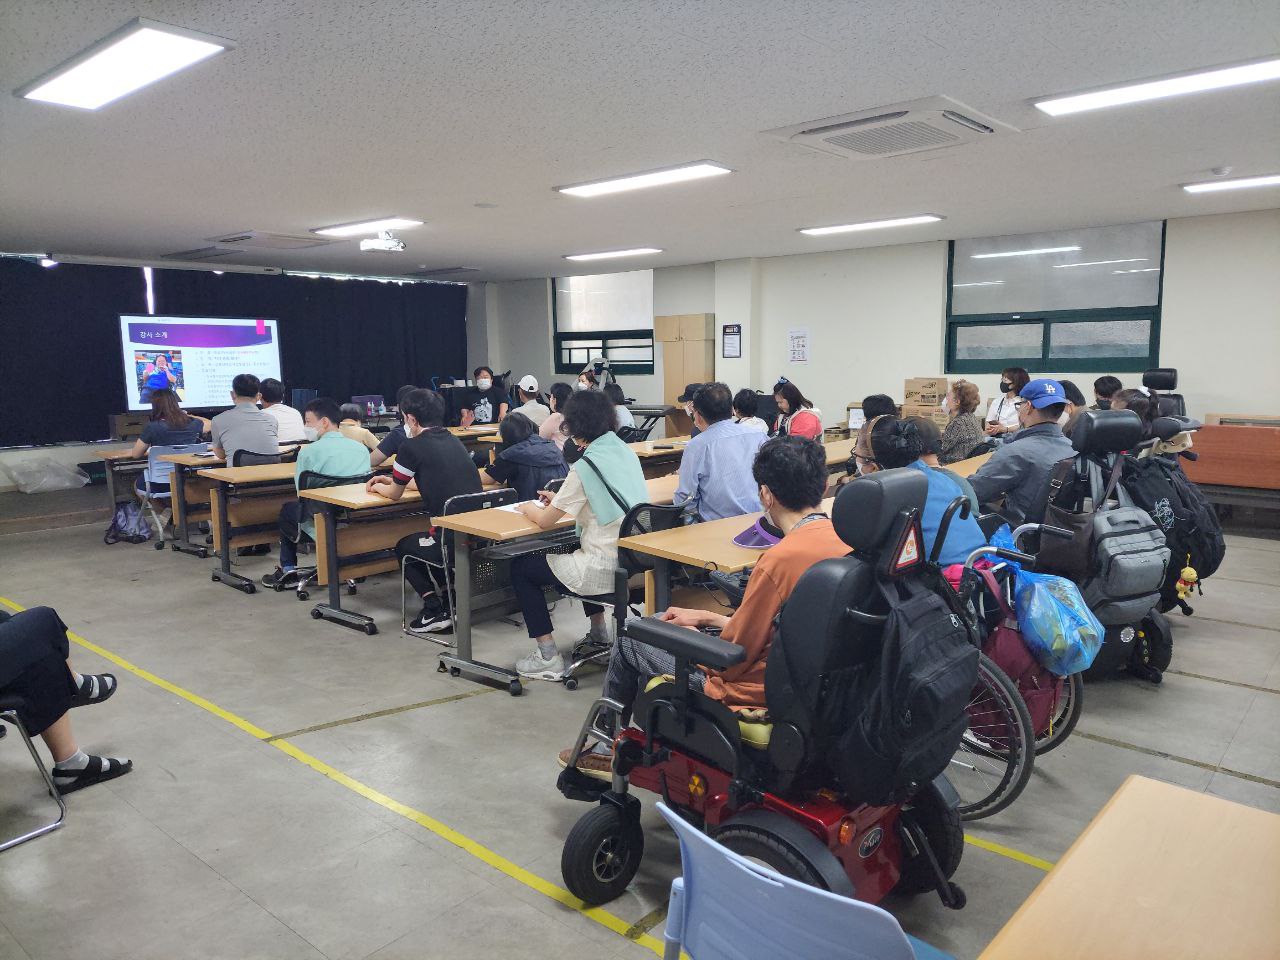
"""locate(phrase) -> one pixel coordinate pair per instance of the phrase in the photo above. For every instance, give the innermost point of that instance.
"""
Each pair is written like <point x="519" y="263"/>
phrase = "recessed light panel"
<point x="1240" y="183"/>
<point x="651" y="178"/>
<point x="1197" y="82"/>
<point x="871" y="225"/>
<point x="366" y="228"/>
<point x="1023" y="253"/>
<point x="611" y="254"/>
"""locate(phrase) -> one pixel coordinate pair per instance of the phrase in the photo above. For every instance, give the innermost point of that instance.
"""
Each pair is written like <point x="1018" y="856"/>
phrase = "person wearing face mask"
<point x="1075" y="406"/>
<point x="791" y="476"/>
<point x="1104" y="389"/>
<point x="586" y="381"/>
<point x="686" y="403"/>
<point x="489" y="403"/>
<point x="557" y="397"/>
<point x="1002" y="413"/>
<point x="329" y="453"/>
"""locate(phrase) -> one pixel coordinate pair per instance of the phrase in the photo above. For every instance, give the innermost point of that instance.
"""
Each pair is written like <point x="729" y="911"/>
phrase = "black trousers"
<point x="529" y="575"/>
<point x="33" y="666"/>
<point x="291" y="533"/>
<point x="424" y="546"/>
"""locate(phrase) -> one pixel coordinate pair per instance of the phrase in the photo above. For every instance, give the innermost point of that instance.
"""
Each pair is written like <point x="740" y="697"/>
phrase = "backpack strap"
<point x="1112" y="480"/>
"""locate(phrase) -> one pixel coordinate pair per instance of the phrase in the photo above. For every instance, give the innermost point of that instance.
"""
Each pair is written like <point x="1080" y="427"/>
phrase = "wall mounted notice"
<point x="798" y="345"/>
<point x="731" y="341"/>
<point x="196" y="357"/>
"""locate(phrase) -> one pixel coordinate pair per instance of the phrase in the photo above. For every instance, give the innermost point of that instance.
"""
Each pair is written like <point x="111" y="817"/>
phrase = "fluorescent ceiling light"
<point x="1240" y="183"/>
<point x="980" y="283"/>
<point x="1098" y="263"/>
<point x="610" y="254"/>
<point x="1023" y="253"/>
<point x="366" y="228"/>
<point x="46" y="262"/>
<point x="651" y="178"/>
<point x="1197" y="82"/>
<point x="139" y="53"/>
<point x="871" y="225"/>
<point x="1142" y="270"/>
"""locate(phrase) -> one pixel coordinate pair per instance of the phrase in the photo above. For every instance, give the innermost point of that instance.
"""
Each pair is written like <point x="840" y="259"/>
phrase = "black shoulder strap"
<point x="1111" y="483"/>
<point x="612" y="492"/>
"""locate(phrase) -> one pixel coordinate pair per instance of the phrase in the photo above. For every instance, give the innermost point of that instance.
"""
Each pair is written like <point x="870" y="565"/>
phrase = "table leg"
<point x="182" y="536"/>
<point x="459" y="661"/>
<point x="332" y="611"/>
<point x="222" y="573"/>
<point x="661" y="583"/>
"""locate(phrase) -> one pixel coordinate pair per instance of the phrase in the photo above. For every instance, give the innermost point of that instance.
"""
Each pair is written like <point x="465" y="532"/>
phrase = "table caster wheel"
<point x="250" y="588"/>
<point x="315" y="614"/>
<point x="571" y="683"/>
<point x="303" y="595"/>
<point x="173" y="547"/>
<point x="371" y="628"/>
<point x="351" y="590"/>
<point x="441" y="668"/>
<point x="203" y="554"/>
<point x="514" y="688"/>
<point x="455" y="671"/>
<point x="213" y="577"/>
<point x="160" y="546"/>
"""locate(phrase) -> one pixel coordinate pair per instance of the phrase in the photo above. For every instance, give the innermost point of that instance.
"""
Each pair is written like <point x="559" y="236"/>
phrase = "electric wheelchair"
<point x="762" y="788"/>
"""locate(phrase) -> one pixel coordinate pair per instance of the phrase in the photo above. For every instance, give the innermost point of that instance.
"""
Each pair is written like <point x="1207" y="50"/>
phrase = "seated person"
<point x="390" y="444"/>
<point x="437" y="462"/>
<point x="791" y="474"/>
<point x="525" y="461"/>
<point x="488" y="403"/>
<point x="931" y="440"/>
<point x="587" y="380"/>
<point x="558" y="396"/>
<point x="1140" y="402"/>
<point x="965" y="430"/>
<point x="35" y="668"/>
<point x="1019" y="469"/>
<point x="329" y="453"/>
<point x="288" y="420"/>
<point x="619" y="401"/>
<point x="797" y="416"/>
<point x="1076" y="405"/>
<point x="1104" y="388"/>
<point x="715" y="470"/>
<point x="170" y="426"/>
<point x="686" y="401"/>
<point x="244" y="426"/>
<point x="1002" y="412"/>
<point x="878" y="405"/>
<point x="603" y="484"/>
<point x="898" y="443"/>
<point x="352" y="426"/>
<point x="746" y="404"/>
<point x="530" y="402"/>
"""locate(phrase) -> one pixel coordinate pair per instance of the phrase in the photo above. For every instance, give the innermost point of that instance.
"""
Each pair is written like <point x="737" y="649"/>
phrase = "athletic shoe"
<point x="435" y="622"/>
<point x="279" y="579"/>
<point x="596" y="765"/>
<point x="538" y="667"/>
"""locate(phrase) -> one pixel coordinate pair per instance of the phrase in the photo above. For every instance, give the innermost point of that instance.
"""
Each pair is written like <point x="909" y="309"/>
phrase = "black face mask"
<point x="572" y="452"/>
<point x="1104" y="403"/>
<point x="1005" y="386"/>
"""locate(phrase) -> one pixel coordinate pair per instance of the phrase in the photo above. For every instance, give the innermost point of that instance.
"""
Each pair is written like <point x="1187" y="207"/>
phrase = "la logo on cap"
<point x="1050" y="388"/>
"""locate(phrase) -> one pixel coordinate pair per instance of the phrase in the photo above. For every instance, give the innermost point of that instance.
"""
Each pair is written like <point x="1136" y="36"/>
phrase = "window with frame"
<point x="607" y="316"/>
<point x="1065" y="301"/>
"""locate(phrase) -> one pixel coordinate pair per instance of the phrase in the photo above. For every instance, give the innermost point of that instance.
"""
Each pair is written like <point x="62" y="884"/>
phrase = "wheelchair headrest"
<point x="867" y="509"/>
<point x="1160" y="378"/>
<point x="1166" y="428"/>
<point x="1106" y="431"/>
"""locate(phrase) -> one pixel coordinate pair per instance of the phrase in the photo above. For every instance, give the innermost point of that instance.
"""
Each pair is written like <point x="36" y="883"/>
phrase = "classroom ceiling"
<point x="465" y="114"/>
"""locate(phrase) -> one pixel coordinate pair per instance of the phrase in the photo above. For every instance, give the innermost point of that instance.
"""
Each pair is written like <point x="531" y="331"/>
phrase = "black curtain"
<point x="61" y="375"/>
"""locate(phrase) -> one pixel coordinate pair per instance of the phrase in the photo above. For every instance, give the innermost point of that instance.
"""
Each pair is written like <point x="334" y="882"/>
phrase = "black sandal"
<point x="87" y="693"/>
<point x="98" y="770"/>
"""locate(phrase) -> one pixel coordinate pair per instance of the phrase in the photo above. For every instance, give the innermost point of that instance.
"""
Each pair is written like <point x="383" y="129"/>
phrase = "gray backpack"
<point x="1129" y="558"/>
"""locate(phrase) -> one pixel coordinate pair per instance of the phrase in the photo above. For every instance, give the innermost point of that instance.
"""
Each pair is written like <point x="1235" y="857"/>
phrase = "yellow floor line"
<point x="1009" y="852"/>
<point x="477" y="850"/>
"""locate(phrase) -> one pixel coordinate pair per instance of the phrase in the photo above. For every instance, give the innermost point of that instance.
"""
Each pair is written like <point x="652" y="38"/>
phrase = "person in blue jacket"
<point x="525" y="461"/>
<point x="157" y="376"/>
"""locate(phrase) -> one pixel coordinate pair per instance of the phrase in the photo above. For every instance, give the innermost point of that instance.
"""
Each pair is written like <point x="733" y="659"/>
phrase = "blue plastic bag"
<point x="1057" y="625"/>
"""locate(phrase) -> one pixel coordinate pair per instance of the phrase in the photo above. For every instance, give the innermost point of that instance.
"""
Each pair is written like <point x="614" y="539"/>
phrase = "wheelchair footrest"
<point x="576" y="785"/>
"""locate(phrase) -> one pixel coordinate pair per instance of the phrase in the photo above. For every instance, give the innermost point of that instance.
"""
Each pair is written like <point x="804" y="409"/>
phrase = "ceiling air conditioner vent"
<point x="934" y="123"/>
<point x="199" y="253"/>
<point x="262" y="240"/>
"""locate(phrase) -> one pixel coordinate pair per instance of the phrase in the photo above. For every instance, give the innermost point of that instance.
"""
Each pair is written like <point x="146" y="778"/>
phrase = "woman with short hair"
<point x="557" y="397"/>
<point x="525" y="461"/>
<point x="964" y="431"/>
<point x="1002" y="412"/>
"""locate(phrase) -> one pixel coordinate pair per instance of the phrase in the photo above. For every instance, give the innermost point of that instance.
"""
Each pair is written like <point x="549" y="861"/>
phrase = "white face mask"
<point x="484" y="383"/>
<point x="579" y="385"/>
<point x="311" y="433"/>
<point x="946" y="403"/>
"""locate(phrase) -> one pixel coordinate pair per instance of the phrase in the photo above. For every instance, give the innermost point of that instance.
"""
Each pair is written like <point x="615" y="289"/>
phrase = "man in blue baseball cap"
<point x="1019" y="469"/>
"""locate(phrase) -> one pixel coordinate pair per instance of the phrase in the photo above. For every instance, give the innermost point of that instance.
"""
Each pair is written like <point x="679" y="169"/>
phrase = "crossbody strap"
<point x="612" y="492"/>
<point x="1111" y="483"/>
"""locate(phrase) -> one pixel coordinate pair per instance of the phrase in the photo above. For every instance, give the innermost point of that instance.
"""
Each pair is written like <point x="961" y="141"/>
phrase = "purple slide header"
<point x="200" y="334"/>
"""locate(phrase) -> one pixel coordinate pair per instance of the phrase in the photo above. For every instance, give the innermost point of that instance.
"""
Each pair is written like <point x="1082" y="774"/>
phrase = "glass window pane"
<point x="605" y="301"/>
<point x="631" y="355"/>
<point x="613" y="344"/>
<point x="1102" y="338"/>
<point x="1004" y="341"/>
<point x="581" y="344"/>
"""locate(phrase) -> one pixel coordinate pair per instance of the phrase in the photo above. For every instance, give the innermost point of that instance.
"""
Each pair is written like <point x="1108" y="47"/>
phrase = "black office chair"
<point x="462" y="503"/>
<point x="9" y="707"/>
<point x="247" y="458"/>
<point x="1165" y="378"/>
<point x="310" y="480"/>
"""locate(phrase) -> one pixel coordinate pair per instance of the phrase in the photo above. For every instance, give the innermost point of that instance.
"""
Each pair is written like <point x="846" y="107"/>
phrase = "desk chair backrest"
<point x="646" y="518"/>
<point x="161" y="471"/>
<point x="310" y="480"/>
<point x="481" y="500"/>
<point x="247" y="458"/>
<point x="725" y="906"/>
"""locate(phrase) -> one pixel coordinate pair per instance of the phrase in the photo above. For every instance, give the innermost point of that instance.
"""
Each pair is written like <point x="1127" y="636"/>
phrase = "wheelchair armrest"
<point x="686" y="644"/>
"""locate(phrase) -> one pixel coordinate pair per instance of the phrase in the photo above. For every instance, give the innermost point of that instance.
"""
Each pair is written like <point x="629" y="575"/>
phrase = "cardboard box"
<point x="924" y="391"/>
<point x="928" y="412"/>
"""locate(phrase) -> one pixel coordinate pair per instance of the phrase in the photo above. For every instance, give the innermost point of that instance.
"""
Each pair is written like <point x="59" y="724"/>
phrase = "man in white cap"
<point x="530" y="405"/>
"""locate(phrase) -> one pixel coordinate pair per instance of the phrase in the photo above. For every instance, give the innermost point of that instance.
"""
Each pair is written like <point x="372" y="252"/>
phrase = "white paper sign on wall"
<point x="798" y="345"/>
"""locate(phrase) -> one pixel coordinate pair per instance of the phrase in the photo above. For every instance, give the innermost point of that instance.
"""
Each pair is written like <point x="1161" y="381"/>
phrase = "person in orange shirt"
<point x="791" y="473"/>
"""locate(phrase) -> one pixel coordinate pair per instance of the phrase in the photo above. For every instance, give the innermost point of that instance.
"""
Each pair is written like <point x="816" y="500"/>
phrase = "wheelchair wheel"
<point x="993" y="764"/>
<point x="940" y="823"/>
<point x="1065" y="716"/>
<point x="601" y="854"/>
<point x="767" y="848"/>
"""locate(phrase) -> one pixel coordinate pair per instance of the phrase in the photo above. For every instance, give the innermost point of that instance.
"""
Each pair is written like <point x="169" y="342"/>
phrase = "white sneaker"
<point x="538" y="667"/>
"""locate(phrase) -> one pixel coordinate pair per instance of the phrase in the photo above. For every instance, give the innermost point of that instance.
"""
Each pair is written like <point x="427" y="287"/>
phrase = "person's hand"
<point x="374" y="483"/>
<point x="529" y="511"/>
<point x="684" y="617"/>
<point x="468" y="418"/>
<point x="546" y="496"/>
<point x="992" y="429"/>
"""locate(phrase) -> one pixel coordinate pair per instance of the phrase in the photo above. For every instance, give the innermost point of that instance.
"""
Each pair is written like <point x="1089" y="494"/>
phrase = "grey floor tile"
<point x="1252" y="543"/>
<point x="1225" y="650"/>
<point x="1248" y="792"/>
<point x="1237" y="601"/>
<point x="1255" y="748"/>
<point x="241" y="931"/>
<point x="1250" y="564"/>
<point x="9" y="947"/>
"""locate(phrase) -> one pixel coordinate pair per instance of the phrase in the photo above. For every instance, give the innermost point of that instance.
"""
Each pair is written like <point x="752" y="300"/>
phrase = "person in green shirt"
<point x="329" y="453"/>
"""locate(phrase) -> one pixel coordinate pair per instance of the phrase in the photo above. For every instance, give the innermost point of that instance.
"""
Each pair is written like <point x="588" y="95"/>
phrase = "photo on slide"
<point x="159" y="370"/>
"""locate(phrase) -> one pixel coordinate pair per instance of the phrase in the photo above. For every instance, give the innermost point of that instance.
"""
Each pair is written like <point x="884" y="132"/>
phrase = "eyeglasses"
<point x="1019" y="404"/>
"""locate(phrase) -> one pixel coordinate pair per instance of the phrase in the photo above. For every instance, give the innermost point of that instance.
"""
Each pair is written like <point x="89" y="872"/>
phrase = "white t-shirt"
<point x="1003" y="411"/>
<point x="587" y="571"/>
<point x="625" y="419"/>
<point x="534" y="411"/>
<point x="288" y="423"/>
<point x="755" y="423"/>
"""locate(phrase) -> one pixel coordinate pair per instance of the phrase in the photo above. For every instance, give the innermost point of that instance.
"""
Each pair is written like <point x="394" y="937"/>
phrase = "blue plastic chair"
<point x="161" y="471"/>
<point x="726" y="907"/>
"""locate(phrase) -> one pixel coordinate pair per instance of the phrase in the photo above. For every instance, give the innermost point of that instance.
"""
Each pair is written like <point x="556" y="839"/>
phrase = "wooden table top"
<point x="967" y="468"/>
<point x="1162" y="871"/>
<point x="708" y="546"/>
<point x="195" y="460"/>
<point x="839" y="451"/>
<point x="645" y="449"/>
<point x="500" y="524"/>
<point x="125" y="454"/>
<point x="476" y="430"/>
<point x="259" y="473"/>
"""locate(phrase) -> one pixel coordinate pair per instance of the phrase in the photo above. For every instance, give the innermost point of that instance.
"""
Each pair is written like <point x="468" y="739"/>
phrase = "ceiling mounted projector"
<point x="385" y="241"/>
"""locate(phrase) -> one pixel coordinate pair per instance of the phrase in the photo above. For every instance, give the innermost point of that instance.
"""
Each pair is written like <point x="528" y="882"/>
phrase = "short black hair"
<point x="879" y="405"/>
<point x="561" y="392"/>
<point x="427" y="407"/>
<point x="895" y="443"/>
<point x="589" y="414"/>
<point x="746" y="402"/>
<point x="1018" y="376"/>
<point x="714" y="402"/>
<point x="272" y="390"/>
<point x="615" y="394"/>
<point x="1072" y="393"/>
<point x="246" y="385"/>
<point x="325" y="408"/>
<point x="1052" y="411"/>
<point x="1107" y="386"/>
<point x="515" y="428"/>
<point x="476" y="372"/>
<point x="403" y="392"/>
<point x="352" y="411"/>
<point x="930" y="435"/>
<point x="794" y="469"/>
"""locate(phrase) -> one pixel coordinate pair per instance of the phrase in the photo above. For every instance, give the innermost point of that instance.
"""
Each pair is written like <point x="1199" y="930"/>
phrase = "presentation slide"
<point x="197" y="357"/>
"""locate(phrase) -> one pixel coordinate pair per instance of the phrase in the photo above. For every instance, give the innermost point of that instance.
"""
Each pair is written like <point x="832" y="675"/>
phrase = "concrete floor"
<point x="221" y="845"/>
